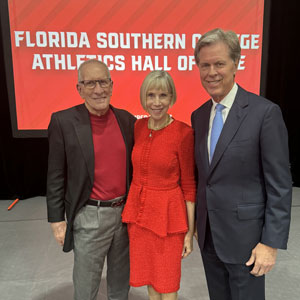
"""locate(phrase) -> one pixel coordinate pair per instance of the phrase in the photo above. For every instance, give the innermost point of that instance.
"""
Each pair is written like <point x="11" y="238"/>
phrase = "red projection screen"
<point x="49" y="39"/>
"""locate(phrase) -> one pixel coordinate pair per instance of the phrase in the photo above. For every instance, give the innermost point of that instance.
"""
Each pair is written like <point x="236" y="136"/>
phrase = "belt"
<point x="109" y="203"/>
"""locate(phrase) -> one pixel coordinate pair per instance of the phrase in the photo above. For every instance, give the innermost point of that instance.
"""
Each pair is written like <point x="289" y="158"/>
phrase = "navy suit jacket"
<point x="245" y="192"/>
<point x="71" y="162"/>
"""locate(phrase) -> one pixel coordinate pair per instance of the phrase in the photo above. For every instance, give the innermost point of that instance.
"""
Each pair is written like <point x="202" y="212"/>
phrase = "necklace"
<point x="163" y="125"/>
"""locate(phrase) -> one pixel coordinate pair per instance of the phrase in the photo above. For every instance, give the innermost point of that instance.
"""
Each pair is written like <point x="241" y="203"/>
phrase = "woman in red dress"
<point x="160" y="205"/>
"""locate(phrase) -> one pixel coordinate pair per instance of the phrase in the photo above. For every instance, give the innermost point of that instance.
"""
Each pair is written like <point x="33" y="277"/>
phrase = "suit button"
<point x="208" y="185"/>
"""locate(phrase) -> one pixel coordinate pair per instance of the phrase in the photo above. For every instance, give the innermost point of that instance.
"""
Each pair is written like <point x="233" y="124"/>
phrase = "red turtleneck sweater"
<point x="110" y="157"/>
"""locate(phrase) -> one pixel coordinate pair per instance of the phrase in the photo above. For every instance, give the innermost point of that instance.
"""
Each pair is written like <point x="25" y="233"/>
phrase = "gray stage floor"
<point x="33" y="267"/>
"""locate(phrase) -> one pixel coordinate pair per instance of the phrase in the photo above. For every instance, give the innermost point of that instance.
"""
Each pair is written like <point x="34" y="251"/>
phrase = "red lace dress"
<point x="163" y="179"/>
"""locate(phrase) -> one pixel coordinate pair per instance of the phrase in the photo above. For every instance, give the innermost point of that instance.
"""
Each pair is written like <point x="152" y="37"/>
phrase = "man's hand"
<point x="59" y="231"/>
<point x="263" y="257"/>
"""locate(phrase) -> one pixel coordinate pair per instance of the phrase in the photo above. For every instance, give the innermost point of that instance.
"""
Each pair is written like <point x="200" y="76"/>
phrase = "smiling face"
<point x="217" y="70"/>
<point x="157" y="103"/>
<point x="96" y="99"/>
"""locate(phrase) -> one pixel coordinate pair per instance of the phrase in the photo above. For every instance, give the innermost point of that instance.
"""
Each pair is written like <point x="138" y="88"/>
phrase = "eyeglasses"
<point x="91" y="84"/>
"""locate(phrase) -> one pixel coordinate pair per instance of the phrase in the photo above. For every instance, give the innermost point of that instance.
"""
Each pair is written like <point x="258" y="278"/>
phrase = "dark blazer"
<point x="246" y="190"/>
<point x="71" y="162"/>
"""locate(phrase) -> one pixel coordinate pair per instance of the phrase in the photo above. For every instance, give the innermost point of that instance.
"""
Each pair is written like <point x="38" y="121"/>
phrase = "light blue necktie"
<point x="216" y="129"/>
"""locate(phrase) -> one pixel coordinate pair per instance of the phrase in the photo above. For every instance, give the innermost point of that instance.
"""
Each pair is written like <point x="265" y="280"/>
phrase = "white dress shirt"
<point x="227" y="102"/>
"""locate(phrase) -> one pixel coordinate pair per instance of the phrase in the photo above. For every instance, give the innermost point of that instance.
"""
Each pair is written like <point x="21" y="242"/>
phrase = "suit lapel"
<point x="85" y="138"/>
<point x="202" y="125"/>
<point x="234" y="119"/>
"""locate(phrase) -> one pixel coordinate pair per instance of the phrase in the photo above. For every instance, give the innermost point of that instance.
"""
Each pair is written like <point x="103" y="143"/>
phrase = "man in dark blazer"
<point x="244" y="181"/>
<point x="89" y="173"/>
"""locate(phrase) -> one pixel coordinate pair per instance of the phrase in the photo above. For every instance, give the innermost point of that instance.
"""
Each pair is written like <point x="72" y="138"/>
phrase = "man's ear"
<point x="237" y="63"/>
<point x="79" y="88"/>
<point x="111" y="89"/>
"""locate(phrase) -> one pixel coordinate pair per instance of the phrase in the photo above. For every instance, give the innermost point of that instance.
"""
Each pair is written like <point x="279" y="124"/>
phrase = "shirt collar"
<point x="228" y="99"/>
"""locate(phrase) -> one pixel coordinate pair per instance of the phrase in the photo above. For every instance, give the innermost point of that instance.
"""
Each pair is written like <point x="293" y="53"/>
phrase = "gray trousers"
<point x="99" y="233"/>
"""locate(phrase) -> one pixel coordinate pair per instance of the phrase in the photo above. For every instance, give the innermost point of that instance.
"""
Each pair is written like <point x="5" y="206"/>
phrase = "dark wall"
<point x="282" y="80"/>
<point x="23" y="162"/>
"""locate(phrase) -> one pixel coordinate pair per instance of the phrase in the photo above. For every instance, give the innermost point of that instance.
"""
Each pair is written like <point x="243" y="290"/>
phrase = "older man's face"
<point x="97" y="99"/>
<point x="217" y="70"/>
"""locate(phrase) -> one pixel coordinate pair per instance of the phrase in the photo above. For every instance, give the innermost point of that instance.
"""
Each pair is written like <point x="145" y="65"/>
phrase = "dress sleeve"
<point x="187" y="164"/>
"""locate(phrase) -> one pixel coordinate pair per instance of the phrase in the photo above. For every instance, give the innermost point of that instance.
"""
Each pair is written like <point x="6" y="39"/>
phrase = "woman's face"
<point x="157" y="103"/>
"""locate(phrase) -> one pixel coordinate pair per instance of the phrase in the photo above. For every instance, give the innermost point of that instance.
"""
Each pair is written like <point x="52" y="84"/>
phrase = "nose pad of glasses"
<point x="98" y="86"/>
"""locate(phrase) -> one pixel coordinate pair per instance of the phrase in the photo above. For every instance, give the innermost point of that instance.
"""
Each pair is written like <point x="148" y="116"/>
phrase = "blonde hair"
<point x="216" y="35"/>
<point x="160" y="80"/>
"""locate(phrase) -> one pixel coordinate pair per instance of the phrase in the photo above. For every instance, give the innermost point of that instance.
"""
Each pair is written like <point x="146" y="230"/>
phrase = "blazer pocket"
<point x="239" y="143"/>
<point x="251" y="211"/>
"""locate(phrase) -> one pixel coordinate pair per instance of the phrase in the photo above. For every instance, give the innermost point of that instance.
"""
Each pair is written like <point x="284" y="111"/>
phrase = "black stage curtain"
<point x="23" y="162"/>
<point x="281" y="78"/>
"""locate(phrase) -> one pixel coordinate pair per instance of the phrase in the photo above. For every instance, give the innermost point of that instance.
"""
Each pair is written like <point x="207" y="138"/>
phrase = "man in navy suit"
<point x="244" y="181"/>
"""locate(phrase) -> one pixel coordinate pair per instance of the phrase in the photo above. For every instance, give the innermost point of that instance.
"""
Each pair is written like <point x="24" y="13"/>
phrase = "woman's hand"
<point x="196" y="232"/>
<point x="187" y="244"/>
